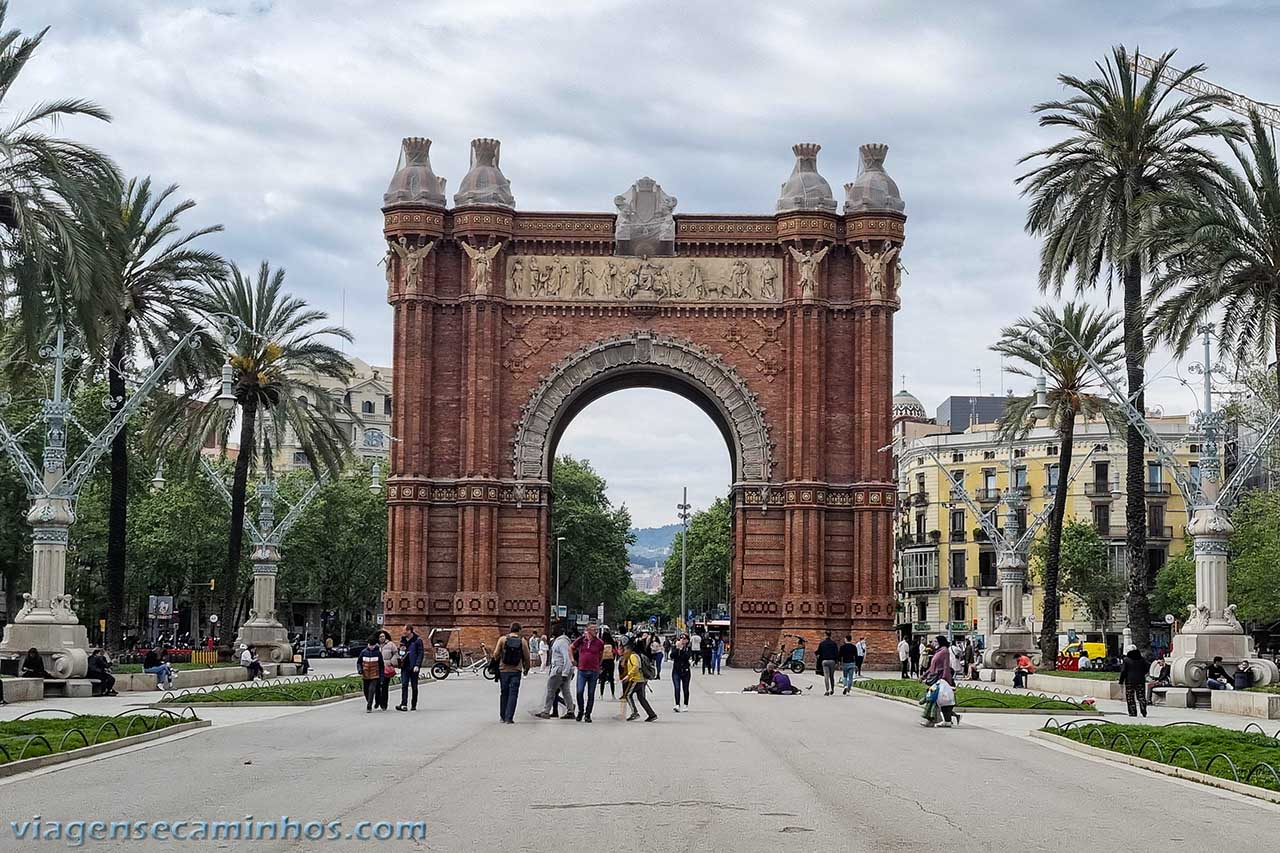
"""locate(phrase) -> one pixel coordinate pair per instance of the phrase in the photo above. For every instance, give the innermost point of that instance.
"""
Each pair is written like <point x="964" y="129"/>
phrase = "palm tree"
<point x="50" y="190"/>
<point x="1046" y="341"/>
<point x="154" y="271"/>
<point x="1224" y="252"/>
<point x="277" y="363"/>
<point x="1131" y="144"/>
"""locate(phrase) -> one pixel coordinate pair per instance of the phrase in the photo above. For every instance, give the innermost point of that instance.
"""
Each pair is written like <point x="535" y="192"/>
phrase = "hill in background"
<point x="652" y="543"/>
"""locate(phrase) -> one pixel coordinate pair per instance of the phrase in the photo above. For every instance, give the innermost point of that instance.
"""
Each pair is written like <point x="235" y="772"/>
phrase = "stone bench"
<point x="23" y="689"/>
<point x="70" y="688"/>
<point x="129" y="682"/>
<point x="1182" y="697"/>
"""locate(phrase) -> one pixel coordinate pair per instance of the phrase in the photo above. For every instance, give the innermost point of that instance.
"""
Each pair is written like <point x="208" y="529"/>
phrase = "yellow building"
<point x="946" y="568"/>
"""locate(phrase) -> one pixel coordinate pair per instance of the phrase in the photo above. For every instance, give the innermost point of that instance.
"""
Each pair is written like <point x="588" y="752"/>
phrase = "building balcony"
<point x="1156" y="490"/>
<point x="1100" y="490"/>
<point x="1159" y="532"/>
<point x="957" y="582"/>
<point x="1023" y="490"/>
<point x="1049" y="490"/>
<point x="987" y="495"/>
<point x="927" y="582"/>
<point x="919" y="498"/>
<point x="987" y="580"/>
<point x="957" y="536"/>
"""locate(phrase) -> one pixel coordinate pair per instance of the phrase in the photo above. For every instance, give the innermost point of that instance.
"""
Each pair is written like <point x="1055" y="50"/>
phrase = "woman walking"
<point x="681" y="670"/>
<point x="606" y="666"/>
<point x="544" y="653"/>
<point x="369" y="666"/>
<point x="390" y="652"/>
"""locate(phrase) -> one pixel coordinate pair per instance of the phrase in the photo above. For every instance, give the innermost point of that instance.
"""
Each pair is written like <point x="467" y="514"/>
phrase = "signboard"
<point x="653" y="620"/>
<point x="561" y="610"/>
<point x="600" y="614"/>
<point x="160" y="607"/>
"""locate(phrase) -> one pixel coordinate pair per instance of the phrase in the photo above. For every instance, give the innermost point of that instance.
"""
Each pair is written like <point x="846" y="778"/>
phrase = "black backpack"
<point x="513" y="652"/>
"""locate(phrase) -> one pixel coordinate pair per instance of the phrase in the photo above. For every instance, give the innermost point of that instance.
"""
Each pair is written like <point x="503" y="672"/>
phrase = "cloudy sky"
<point x="283" y="120"/>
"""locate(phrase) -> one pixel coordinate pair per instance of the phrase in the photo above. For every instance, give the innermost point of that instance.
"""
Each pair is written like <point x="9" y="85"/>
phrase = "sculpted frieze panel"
<point x="553" y="278"/>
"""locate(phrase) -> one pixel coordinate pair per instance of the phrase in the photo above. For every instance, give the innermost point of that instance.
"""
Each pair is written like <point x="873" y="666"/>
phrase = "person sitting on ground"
<point x="156" y="663"/>
<point x="1025" y="667"/>
<point x="100" y="671"/>
<point x="249" y="660"/>
<point x="1242" y="678"/>
<point x="1216" y="676"/>
<point x="1084" y="664"/>
<point x="775" y="683"/>
<point x="33" y="665"/>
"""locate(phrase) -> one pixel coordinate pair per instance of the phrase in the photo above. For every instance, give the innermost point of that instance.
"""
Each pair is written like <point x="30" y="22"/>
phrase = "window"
<point x="958" y="610"/>
<point x="957" y="569"/>
<point x="299" y="457"/>
<point x="1155" y="474"/>
<point x="919" y="527"/>
<point x="366" y="408"/>
<point x="1194" y="471"/>
<point x="1155" y="519"/>
<point x="989" y="479"/>
<point x="957" y="522"/>
<point x="957" y="457"/>
<point x="988" y="454"/>
<point x="1022" y="518"/>
<point x="1156" y="558"/>
<point x="922" y="610"/>
<point x="1020" y="453"/>
<point x="1051" y="472"/>
<point x="386" y="405"/>
<point x="986" y="568"/>
<point x="1102" y="474"/>
<point x="1020" y="477"/>
<point x="919" y="570"/>
<point x="1102" y="519"/>
<point x="1051" y="450"/>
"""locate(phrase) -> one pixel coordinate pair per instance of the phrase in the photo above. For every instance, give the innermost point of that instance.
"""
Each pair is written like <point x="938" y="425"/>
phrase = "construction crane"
<point x="1237" y="103"/>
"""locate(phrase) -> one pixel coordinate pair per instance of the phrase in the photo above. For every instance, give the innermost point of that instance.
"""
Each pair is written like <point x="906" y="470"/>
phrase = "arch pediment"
<point x="741" y="417"/>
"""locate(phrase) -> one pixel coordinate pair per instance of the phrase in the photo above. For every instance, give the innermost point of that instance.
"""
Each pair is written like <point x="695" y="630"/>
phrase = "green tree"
<point x="636" y="607"/>
<point x="1131" y="145"/>
<point x="1254" y="581"/>
<point x="593" y="555"/>
<point x="1046" y="341"/>
<point x="277" y="361"/>
<point x="1221" y="257"/>
<point x="707" y="563"/>
<point x="50" y="189"/>
<point x="1085" y="571"/>
<point x="337" y="550"/>
<point x="152" y="269"/>
<point x="1175" y="586"/>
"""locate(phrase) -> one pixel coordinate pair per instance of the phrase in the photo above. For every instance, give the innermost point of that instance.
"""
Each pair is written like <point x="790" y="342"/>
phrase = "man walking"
<point x="558" y="679"/>
<point x="862" y="654"/>
<point x="587" y="651"/>
<point x="708" y="655"/>
<point x="826" y="656"/>
<point x="511" y="654"/>
<point x="410" y="667"/>
<point x="695" y="646"/>
<point x="848" y="662"/>
<point x="904" y="657"/>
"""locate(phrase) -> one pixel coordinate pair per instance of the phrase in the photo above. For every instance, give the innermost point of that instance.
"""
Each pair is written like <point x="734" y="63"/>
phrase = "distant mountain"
<point x="652" y="543"/>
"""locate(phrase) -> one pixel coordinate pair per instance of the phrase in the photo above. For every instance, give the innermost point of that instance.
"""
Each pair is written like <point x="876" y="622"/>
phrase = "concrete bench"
<point x="23" y="689"/>
<point x="1182" y="697"/>
<point x="71" y="688"/>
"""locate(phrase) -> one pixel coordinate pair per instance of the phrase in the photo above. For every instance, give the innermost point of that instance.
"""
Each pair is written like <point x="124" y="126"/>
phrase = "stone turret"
<point x="414" y="182"/>
<point x="806" y="189"/>
<point x="485" y="183"/>
<point x="873" y="191"/>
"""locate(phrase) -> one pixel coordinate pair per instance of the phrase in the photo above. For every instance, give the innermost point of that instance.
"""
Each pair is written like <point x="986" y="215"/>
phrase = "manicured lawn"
<point x="137" y="667"/>
<point x="970" y="697"/>
<point x="1270" y="688"/>
<point x="1171" y="745"/>
<point x="269" y="691"/>
<point x="61" y="734"/>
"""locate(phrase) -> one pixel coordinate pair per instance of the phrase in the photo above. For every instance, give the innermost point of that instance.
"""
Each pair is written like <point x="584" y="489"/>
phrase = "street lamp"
<point x="683" y="507"/>
<point x="226" y="400"/>
<point x="158" y="481"/>
<point x="559" y="539"/>
<point x="375" y="478"/>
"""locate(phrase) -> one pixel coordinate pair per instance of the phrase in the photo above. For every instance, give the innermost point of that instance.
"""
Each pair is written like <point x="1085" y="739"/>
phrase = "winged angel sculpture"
<point x="481" y="262"/>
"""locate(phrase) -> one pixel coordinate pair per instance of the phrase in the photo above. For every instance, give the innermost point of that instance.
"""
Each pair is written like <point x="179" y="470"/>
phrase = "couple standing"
<point x="585" y="653"/>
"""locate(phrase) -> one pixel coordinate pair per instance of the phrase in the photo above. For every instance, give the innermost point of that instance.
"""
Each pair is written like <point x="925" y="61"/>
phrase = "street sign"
<point x="653" y="620"/>
<point x="213" y="618"/>
<point x="160" y="607"/>
<point x="562" y="610"/>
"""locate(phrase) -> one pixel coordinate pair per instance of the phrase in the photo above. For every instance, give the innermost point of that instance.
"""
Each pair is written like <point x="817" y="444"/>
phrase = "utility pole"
<point x="683" y="507"/>
<point x="559" y="539"/>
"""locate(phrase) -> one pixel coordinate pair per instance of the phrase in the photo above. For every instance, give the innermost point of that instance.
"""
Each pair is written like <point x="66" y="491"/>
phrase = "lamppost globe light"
<point x="226" y="400"/>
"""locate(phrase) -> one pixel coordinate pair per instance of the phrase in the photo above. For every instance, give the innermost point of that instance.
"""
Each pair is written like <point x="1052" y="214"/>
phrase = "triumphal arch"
<point x="509" y="322"/>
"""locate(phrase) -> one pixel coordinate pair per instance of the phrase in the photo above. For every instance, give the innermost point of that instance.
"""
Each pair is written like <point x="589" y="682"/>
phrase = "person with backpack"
<point x="511" y="654"/>
<point x="369" y="666"/>
<point x="410" y="667"/>
<point x="637" y="670"/>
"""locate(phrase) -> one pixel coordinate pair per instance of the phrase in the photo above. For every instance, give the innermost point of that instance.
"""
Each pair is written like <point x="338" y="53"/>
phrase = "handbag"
<point x="388" y="671"/>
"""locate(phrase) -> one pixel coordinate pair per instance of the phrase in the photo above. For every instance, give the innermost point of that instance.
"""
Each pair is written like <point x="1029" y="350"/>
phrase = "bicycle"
<point x="466" y="663"/>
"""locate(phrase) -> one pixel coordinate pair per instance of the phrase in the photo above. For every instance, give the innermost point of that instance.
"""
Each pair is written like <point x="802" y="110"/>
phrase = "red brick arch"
<point x="489" y="371"/>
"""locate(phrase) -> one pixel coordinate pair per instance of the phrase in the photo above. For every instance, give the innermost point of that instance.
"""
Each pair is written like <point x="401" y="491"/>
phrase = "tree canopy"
<point x="593" y="555"/>
<point x="708" y="560"/>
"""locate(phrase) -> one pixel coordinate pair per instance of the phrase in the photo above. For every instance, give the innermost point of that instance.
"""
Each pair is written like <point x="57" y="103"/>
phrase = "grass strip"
<point x="1192" y="747"/>
<point x="269" y="691"/>
<point x="970" y="697"/>
<point x="34" y="737"/>
<point x="134" y="668"/>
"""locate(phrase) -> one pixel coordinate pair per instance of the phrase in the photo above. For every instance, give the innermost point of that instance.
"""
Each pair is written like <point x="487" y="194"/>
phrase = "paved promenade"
<point x="740" y="772"/>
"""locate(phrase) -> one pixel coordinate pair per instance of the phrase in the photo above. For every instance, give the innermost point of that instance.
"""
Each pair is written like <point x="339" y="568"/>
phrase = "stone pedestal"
<point x="263" y="631"/>
<point x="46" y="621"/>
<point x="1212" y="629"/>
<point x="1012" y="637"/>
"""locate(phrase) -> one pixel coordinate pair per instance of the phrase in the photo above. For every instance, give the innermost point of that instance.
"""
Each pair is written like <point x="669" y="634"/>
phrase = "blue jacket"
<point x="414" y="654"/>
